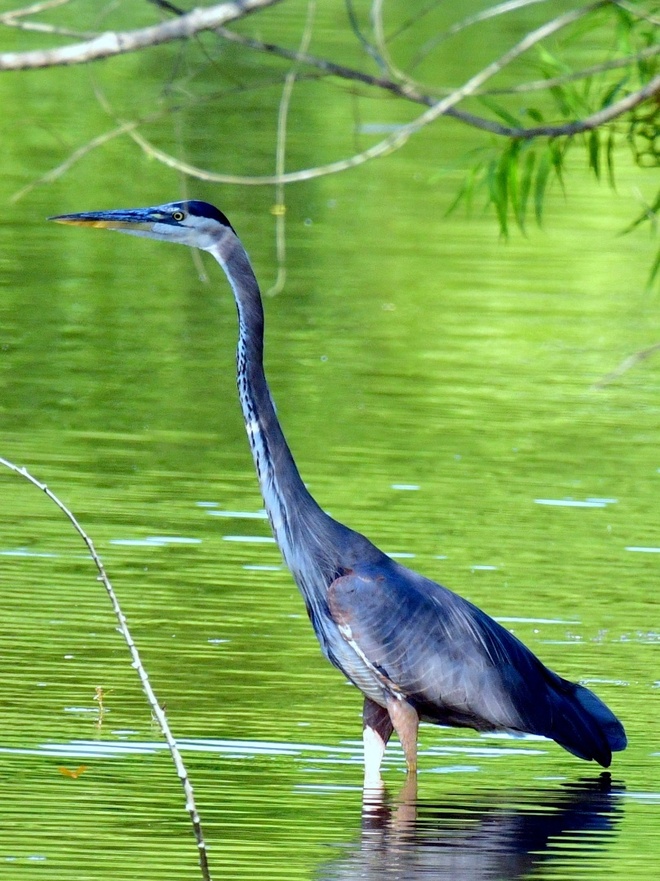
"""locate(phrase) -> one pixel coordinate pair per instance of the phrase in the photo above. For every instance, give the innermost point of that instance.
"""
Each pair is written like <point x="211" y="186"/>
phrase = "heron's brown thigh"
<point x="405" y="720"/>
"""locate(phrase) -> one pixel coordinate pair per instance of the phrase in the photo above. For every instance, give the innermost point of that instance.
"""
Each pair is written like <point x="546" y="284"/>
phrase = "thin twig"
<point x="370" y="50"/>
<point x="168" y="7"/>
<point x="637" y="13"/>
<point x="34" y="9"/>
<point x="15" y="19"/>
<point x="477" y="18"/>
<point x="72" y="158"/>
<point x="378" y="23"/>
<point x="586" y="72"/>
<point x="124" y="127"/>
<point x="627" y="363"/>
<point x="42" y="28"/>
<point x="412" y="89"/>
<point x="119" y="42"/>
<point x="490" y="12"/>
<point x="410" y="92"/>
<point x="279" y="208"/>
<point x="137" y="663"/>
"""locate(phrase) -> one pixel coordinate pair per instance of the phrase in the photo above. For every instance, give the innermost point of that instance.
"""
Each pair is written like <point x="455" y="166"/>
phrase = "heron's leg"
<point x="405" y="720"/>
<point x="376" y="730"/>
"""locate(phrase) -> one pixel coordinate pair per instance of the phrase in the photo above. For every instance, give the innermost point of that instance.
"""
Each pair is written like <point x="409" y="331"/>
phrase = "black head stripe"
<point x="204" y="209"/>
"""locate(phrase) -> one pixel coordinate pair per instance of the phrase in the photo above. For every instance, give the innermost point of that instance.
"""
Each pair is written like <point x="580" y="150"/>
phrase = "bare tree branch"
<point x="395" y="82"/>
<point x="607" y="114"/>
<point x="398" y="138"/>
<point x="406" y="90"/>
<point x="156" y="708"/>
<point x="212" y="18"/>
<point x="120" y="42"/>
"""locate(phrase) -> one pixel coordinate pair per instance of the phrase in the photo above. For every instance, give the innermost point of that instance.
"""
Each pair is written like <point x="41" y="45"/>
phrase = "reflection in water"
<point x="481" y="840"/>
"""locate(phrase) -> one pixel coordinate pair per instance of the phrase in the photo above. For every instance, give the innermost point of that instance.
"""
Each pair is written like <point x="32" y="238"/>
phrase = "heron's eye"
<point x="178" y="215"/>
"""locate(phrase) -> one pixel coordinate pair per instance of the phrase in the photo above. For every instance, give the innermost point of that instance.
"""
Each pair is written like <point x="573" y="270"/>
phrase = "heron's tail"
<point x="584" y="725"/>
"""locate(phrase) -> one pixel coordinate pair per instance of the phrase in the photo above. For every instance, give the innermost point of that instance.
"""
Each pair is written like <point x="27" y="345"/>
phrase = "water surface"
<point x="439" y="389"/>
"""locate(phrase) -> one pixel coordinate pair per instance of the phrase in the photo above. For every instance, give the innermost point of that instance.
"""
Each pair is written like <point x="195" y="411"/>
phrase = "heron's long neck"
<point x="290" y="506"/>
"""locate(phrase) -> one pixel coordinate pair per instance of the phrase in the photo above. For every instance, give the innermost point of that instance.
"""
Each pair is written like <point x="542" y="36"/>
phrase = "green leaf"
<point x="534" y="114"/>
<point x="525" y="187"/>
<point x="557" y="159"/>
<point x="649" y="214"/>
<point x="466" y="192"/>
<point x="550" y="61"/>
<point x="613" y="92"/>
<point x="500" y="111"/>
<point x="609" y="154"/>
<point x="594" y="152"/>
<point x="561" y="98"/>
<point x="472" y="182"/>
<point x="456" y="201"/>
<point x="512" y="178"/>
<point x="624" y="30"/>
<point x="542" y="174"/>
<point x="496" y="177"/>
<point x="655" y="271"/>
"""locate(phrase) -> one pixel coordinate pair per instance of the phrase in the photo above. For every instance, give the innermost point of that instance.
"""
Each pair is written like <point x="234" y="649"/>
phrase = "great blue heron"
<point x="413" y="648"/>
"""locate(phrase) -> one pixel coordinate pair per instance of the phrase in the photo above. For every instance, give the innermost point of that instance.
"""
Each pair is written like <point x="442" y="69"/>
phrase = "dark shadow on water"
<point x="490" y="836"/>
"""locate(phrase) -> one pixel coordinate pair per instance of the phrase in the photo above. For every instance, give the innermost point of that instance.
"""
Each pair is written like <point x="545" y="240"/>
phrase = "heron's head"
<point x="192" y="223"/>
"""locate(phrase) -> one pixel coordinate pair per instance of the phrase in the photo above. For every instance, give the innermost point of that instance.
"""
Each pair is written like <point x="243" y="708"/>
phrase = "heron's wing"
<point x="427" y="644"/>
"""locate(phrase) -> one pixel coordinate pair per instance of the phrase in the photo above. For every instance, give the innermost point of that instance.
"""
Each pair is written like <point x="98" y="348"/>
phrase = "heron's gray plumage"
<point x="414" y="648"/>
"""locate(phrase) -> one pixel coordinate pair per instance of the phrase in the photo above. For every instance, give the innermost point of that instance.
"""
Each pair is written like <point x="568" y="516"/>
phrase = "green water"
<point x="439" y="389"/>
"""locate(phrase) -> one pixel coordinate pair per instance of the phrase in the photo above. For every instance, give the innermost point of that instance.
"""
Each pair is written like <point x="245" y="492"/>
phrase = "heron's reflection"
<point x="490" y="837"/>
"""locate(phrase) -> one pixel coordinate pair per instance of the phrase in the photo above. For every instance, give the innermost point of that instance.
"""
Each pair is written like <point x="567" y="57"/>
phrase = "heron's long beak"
<point x="132" y="218"/>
